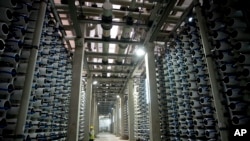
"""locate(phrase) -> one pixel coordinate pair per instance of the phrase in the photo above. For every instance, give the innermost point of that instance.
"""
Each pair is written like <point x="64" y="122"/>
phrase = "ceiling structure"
<point x="115" y="29"/>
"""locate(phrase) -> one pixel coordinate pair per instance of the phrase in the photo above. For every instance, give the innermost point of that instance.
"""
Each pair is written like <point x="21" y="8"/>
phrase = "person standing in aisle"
<point x="91" y="134"/>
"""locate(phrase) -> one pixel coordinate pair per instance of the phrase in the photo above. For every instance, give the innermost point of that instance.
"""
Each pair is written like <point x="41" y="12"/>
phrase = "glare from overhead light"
<point x="190" y="19"/>
<point x="98" y="103"/>
<point x="140" y="52"/>
<point x="118" y="96"/>
<point x="95" y="82"/>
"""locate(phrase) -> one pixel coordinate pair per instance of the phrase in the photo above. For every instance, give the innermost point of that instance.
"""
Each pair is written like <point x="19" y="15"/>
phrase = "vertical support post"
<point x="114" y="121"/>
<point x="217" y="98"/>
<point x="92" y="119"/>
<point x="118" y="117"/>
<point x="24" y="104"/>
<point x="154" y="119"/>
<point x="88" y="108"/>
<point x="131" y="111"/>
<point x="96" y="126"/>
<point x="75" y="97"/>
<point x="122" y="103"/>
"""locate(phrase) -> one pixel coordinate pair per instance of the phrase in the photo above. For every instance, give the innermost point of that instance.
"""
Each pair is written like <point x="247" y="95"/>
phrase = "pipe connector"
<point x="107" y="16"/>
<point x="106" y="22"/>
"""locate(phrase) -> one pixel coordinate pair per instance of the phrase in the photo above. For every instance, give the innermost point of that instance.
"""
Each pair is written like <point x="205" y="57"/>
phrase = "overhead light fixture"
<point x="190" y="19"/>
<point x="140" y="52"/>
<point x="118" y="96"/>
<point x="95" y="82"/>
<point x="98" y="103"/>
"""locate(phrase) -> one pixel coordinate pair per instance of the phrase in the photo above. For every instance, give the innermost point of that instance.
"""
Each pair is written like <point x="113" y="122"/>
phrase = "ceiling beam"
<point x="113" y="23"/>
<point x="158" y="21"/>
<point x="124" y="3"/>
<point x="73" y="17"/>
<point x="183" y="16"/>
<point x="108" y="71"/>
<point x="157" y="24"/>
<point x="111" y="41"/>
<point x="109" y="64"/>
<point x="98" y="54"/>
<point x="109" y="79"/>
<point x="97" y="11"/>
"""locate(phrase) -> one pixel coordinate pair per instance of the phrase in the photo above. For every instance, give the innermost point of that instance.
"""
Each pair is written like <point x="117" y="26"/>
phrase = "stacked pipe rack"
<point x="82" y="110"/>
<point x="47" y="112"/>
<point x="141" y="111"/>
<point x="194" y="110"/>
<point x="125" y="117"/>
<point x="162" y="97"/>
<point x="189" y="102"/>
<point x="229" y="29"/>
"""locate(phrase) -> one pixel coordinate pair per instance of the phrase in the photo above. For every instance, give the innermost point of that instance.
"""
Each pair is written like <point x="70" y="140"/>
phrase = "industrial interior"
<point x="142" y="70"/>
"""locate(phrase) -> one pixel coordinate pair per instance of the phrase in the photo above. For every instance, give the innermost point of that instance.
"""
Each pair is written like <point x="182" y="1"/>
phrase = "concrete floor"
<point x="107" y="137"/>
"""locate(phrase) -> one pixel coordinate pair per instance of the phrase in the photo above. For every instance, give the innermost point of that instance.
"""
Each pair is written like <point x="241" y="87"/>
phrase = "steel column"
<point x="118" y="117"/>
<point x="154" y="119"/>
<point x="131" y="110"/>
<point x="75" y="97"/>
<point x="88" y="108"/>
<point x="122" y="103"/>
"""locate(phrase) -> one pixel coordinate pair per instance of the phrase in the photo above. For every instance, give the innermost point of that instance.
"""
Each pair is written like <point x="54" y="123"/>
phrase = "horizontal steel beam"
<point x="109" y="64"/>
<point x="97" y="11"/>
<point x="109" y="79"/>
<point x="113" y="23"/>
<point x="137" y="4"/>
<point x="101" y="91"/>
<point x="100" y="54"/>
<point x="110" y="87"/>
<point x="124" y="3"/>
<point x="112" y="41"/>
<point x="108" y="71"/>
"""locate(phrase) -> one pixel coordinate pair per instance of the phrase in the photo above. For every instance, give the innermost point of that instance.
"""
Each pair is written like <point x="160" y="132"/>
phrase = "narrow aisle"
<point x="107" y="137"/>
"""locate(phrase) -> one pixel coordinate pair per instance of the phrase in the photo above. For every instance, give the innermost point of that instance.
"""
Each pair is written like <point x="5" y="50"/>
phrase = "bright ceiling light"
<point x="95" y="82"/>
<point x="190" y="19"/>
<point x="118" y="96"/>
<point x="140" y="52"/>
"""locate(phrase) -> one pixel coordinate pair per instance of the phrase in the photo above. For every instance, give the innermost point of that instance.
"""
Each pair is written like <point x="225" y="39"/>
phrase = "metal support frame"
<point x="113" y="23"/>
<point x="93" y="104"/>
<point x="109" y="79"/>
<point x="73" y="17"/>
<point x="107" y="71"/>
<point x="75" y="97"/>
<point x="157" y="24"/>
<point x="25" y="100"/>
<point x="217" y="97"/>
<point x="87" y="117"/>
<point x="122" y="116"/>
<point x="112" y="41"/>
<point x="59" y="20"/>
<point x="110" y="55"/>
<point x="154" y="119"/>
<point x="118" y="117"/>
<point x="131" y="110"/>
<point x="150" y="34"/>
<point x="109" y="64"/>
